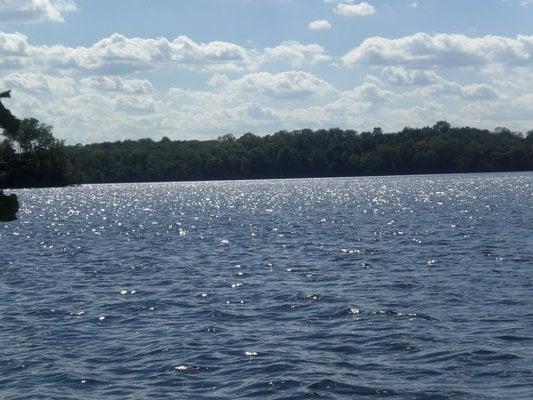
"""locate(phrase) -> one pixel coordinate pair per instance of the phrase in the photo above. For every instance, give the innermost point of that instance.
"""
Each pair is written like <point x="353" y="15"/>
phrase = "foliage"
<point x="32" y="157"/>
<point x="305" y="153"/>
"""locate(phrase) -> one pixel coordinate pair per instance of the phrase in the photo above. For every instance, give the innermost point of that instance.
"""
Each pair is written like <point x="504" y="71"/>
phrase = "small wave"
<point x="410" y="315"/>
<point x="514" y="338"/>
<point x="331" y="386"/>
<point x="224" y="315"/>
<point x="187" y="368"/>
<point x="211" y="329"/>
<point x="466" y="357"/>
<point x="350" y="311"/>
<point x="313" y="297"/>
<point x="261" y="390"/>
<point x="490" y="356"/>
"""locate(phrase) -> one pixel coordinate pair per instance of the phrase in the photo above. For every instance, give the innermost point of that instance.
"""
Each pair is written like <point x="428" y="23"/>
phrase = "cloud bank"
<point x="30" y="11"/>
<point x="108" y="90"/>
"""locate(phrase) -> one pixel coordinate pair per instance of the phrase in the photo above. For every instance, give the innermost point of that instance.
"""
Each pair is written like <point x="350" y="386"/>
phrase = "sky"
<point x="106" y="70"/>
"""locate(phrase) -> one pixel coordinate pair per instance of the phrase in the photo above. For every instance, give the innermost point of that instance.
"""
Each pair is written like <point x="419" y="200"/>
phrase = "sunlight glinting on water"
<point x="389" y="287"/>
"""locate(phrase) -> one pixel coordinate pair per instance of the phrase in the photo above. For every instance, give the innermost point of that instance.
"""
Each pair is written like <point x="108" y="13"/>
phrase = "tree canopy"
<point x="32" y="157"/>
<point x="305" y="153"/>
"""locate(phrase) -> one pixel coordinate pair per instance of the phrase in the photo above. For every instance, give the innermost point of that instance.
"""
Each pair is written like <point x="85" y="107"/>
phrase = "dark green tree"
<point x="306" y="153"/>
<point x="442" y="127"/>
<point x="31" y="156"/>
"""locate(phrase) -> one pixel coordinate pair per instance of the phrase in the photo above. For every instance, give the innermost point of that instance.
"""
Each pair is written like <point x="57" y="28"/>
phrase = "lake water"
<point x="383" y="287"/>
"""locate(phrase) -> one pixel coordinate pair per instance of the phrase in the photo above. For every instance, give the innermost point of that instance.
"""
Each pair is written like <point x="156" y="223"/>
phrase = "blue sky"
<point x="110" y="70"/>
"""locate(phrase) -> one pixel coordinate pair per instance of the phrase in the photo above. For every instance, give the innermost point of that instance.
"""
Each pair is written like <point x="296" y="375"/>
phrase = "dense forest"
<point x="32" y="157"/>
<point x="305" y="153"/>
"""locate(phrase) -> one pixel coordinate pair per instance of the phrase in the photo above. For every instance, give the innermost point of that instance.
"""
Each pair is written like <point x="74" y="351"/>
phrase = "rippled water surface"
<point x="390" y="287"/>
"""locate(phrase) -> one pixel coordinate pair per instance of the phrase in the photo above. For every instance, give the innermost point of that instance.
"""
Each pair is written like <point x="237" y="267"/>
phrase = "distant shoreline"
<point x="331" y="153"/>
<point x="274" y="179"/>
<point x="441" y="149"/>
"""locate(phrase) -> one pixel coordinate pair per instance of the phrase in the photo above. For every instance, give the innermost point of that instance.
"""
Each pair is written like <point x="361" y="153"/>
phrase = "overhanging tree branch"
<point x="8" y="121"/>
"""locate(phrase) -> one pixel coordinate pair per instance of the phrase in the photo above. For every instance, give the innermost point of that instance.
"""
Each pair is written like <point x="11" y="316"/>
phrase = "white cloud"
<point x="480" y="92"/>
<point x="118" y="84"/>
<point x="259" y="102"/>
<point x="351" y="10"/>
<point x="474" y="92"/>
<point x="35" y="10"/>
<point x="102" y="92"/>
<point x="319" y="24"/>
<point x="136" y="104"/>
<point x="398" y="75"/>
<point x="118" y="54"/>
<point x="370" y="92"/>
<point x="272" y="89"/>
<point x="256" y="111"/>
<point x="295" y="54"/>
<point x="13" y="44"/>
<point x="13" y="51"/>
<point x="423" y="50"/>
<point x="290" y="85"/>
<point x="35" y="83"/>
<point x="434" y="85"/>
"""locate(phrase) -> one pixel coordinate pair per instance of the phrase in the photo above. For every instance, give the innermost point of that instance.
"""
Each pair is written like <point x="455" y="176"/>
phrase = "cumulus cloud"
<point x="35" y="83"/>
<point x="136" y="104"/>
<point x="118" y="84"/>
<point x="290" y="85"/>
<point x="434" y="85"/>
<point x="319" y="24"/>
<point x="258" y="112"/>
<point x="295" y="54"/>
<point x="13" y="44"/>
<point x="423" y="50"/>
<point x="118" y="54"/>
<point x="351" y="10"/>
<point x="102" y="92"/>
<point x="479" y="92"/>
<point x="35" y="10"/>
<point x="13" y="51"/>
<point x="370" y="92"/>
<point x="257" y="102"/>
<point x="398" y="75"/>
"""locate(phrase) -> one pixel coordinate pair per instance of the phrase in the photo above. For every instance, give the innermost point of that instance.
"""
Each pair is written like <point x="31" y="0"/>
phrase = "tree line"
<point x="32" y="157"/>
<point x="305" y="153"/>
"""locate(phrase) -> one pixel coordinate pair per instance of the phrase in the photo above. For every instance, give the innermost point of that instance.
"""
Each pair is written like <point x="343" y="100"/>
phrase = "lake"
<point x="409" y="287"/>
